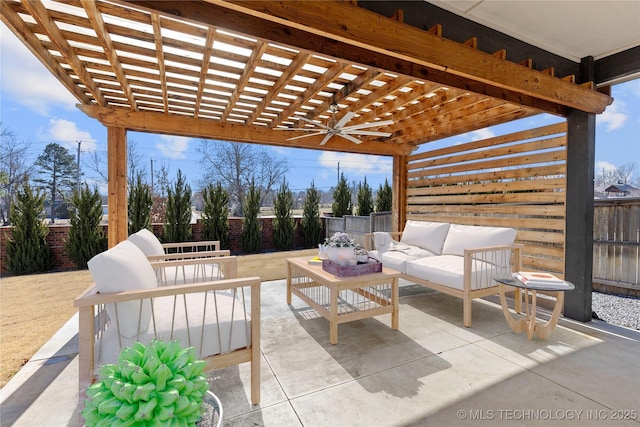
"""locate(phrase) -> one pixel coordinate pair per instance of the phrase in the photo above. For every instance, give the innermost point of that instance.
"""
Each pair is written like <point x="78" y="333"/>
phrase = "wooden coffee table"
<point x="343" y="299"/>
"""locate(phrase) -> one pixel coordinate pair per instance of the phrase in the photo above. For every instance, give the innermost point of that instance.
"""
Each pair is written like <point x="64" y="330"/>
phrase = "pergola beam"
<point x="41" y="14"/>
<point x="345" y="31"/>
<point x="20" y="29"/>
<point x="107" y="45"/>
<point x="155" y="122"/>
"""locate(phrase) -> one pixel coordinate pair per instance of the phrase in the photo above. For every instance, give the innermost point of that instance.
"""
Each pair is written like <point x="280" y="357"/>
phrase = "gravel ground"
<point x="617" y="310"/>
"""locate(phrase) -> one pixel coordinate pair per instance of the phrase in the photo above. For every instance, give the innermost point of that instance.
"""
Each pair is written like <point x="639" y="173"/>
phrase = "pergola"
<point x="244" y="70"/>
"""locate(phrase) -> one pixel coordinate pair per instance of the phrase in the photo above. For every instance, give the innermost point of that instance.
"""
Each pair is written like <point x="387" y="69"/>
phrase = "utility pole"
<point x="338" y="172"/>
<point x="78" y="168"/>
<point x="151" y="176"/>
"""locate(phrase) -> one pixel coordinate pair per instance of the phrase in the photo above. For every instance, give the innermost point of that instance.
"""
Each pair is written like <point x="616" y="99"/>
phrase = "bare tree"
<point x="136" y="166"/>
<point x="159" y="191"/>
<point x="234" y="165"/>
<point x="13" y="170"/>
<point x="624" y="173"/>
<point x="620" y="175"/>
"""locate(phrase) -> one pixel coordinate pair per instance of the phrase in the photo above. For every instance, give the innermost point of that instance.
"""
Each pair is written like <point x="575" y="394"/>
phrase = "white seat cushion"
<point x="147" y="242"/>
<point x="124" y="268"/>
<point x="226" y="329"/>
<point x="426" y="235"/>
<point x="192" y="273"/>
<point x="448" y="270"/>
<point x="461" y="237"/>
<point x="398" y="255"/>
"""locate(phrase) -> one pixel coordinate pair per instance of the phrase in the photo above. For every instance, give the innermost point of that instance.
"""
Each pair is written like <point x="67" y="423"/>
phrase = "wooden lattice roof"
<point x="185" y="68"/>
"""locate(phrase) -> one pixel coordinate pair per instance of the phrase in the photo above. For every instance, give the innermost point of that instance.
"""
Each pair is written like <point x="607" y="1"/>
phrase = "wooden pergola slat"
<point x="337" y="27"/>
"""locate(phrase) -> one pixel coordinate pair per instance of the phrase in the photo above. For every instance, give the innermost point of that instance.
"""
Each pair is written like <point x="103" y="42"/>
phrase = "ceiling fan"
<point x="338" y="128"/>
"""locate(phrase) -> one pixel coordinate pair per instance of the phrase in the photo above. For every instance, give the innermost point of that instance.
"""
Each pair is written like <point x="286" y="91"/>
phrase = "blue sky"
<point x="38" y="109"/>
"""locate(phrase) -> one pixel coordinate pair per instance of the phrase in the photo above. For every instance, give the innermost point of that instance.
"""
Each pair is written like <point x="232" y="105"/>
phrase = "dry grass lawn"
<point x="33" y="308"/>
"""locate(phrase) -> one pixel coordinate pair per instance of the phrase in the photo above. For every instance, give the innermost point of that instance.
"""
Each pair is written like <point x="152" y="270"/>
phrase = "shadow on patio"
<point x="430" y="371"/>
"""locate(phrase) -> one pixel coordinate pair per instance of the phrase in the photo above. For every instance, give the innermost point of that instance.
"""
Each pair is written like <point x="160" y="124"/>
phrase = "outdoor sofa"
<point x="459" y="260"/>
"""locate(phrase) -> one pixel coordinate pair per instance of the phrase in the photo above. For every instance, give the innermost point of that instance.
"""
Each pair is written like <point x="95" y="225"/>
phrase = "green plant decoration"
<point x="156" y="385"/>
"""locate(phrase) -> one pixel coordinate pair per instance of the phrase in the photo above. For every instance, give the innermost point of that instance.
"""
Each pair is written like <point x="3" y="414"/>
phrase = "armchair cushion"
<point x="123" y="268"/>
<point x="147" y="242"/>
<point x="226" y="325"/>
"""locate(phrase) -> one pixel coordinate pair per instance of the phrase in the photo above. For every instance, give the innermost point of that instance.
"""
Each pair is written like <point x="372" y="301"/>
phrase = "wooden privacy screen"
<point x="516" y="180"/>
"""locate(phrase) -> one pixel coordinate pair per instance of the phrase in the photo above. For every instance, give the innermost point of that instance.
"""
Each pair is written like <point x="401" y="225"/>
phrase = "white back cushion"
<point x="461" y="237"/>
<point x="426" y="235"/>
<point x="123" y="268"/>
<point x="147" y="242"/>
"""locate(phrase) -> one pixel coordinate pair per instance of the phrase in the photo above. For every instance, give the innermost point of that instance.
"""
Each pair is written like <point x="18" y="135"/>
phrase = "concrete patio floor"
<point x="432" y="371"/>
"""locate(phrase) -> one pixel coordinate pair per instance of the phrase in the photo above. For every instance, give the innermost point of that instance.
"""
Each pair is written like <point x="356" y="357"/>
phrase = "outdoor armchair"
<point x="221" y="319"/>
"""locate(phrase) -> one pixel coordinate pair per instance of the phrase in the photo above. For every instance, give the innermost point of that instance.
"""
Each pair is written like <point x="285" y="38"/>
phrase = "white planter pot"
<point x="213" y="412"/>
<point x="342" y="256"/>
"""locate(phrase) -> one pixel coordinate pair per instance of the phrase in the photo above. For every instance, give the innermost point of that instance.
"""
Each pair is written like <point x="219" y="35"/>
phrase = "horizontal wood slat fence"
<point x="516" y="180"/>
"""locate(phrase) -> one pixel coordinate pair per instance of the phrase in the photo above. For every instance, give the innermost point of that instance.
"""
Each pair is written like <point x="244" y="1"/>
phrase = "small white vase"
<point x="362" y="258"/>
<point x="342" y="256"/>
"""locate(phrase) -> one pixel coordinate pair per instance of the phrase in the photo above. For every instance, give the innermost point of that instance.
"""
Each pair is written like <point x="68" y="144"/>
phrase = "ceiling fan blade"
<point x="344" y="120"/>
<point x="366" y="132"/>
<point x="323" y="126"/>
<point x="350" y="138"/>
<point x="302" y="129"/>
<point x="325" y="139"/>
<point x="307" y="135"/>
<point x="368" y="125"/>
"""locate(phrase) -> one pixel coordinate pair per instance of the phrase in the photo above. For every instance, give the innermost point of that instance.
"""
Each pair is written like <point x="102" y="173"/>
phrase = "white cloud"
<point x="481" y="134"/>
<point x="614" y="116"/>
<point x="173" y="147"/>
<point x="26" y="81"/>
<point x="67" y="134"/>
<point x="354" y="166"/>
<point x="601" y="165"/>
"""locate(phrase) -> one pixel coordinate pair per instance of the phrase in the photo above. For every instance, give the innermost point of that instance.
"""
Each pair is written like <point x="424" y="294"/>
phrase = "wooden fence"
<point x="358" y="226"/>
<point x="616" y="245"/>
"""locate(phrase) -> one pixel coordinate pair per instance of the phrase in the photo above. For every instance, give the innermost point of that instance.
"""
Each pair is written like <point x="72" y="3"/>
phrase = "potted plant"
<point x="160" y="384"/>
<point x="361" y="254"/>
<point x="340" y="249"/>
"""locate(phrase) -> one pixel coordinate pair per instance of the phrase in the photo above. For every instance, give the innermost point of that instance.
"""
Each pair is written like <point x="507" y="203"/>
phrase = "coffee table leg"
<point x="333" y="317"/>
<point x="394" y="304"/>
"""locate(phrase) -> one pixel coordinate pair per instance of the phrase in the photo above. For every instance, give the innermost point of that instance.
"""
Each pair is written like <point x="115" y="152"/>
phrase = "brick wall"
<point x="58" y="235"/>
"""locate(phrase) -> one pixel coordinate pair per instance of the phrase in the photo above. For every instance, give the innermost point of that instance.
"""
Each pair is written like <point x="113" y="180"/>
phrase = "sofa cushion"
<point x="123" y="268"/>
<point x="426" y="235"/>
<point x="147" y="242"/>
<point x="448" y="270"/>
<point x="397" y="255"/>
<point x="461" y="237"/>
